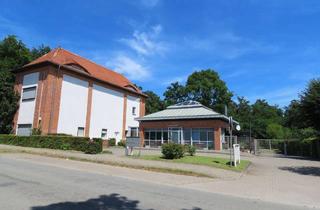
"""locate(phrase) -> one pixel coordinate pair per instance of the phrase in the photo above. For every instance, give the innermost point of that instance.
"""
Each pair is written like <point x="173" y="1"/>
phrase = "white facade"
<point x="73" y="105"/>
<point x="27" y="107"/>
<point x="133" y="105"/>
<point x="106" y="112"/>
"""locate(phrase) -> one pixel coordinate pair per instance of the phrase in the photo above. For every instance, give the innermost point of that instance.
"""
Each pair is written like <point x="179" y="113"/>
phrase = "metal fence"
<point x="274" y="147"/>
<point x="246" y="144"/>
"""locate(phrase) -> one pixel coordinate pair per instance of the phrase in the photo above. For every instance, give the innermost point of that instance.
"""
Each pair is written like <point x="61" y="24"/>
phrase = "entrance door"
<point x="175" y="135"/>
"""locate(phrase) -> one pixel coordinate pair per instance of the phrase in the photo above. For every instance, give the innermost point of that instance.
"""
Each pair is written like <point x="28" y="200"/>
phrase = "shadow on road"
<point x="104" y="202"/>
<point x="304" y="170"/>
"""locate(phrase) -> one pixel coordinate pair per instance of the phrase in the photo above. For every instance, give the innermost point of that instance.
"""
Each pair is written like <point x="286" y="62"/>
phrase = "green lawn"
<point x="216" y="162"/>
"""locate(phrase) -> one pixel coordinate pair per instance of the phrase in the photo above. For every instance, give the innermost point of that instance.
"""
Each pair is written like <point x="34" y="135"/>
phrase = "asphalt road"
<point x="26" y="184"/>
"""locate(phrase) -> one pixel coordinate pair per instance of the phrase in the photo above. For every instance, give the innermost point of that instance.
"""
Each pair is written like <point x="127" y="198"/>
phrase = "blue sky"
<point x="261" y="49"/>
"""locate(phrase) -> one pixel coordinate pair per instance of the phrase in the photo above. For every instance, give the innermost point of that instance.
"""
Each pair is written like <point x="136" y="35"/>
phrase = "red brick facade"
<point x="48" y="97"/>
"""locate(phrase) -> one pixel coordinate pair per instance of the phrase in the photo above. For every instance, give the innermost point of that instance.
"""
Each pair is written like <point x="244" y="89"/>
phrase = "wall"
<point x="106" y="112"/>
<point x="26" y="108"/>
<point x="73" y="105"/>
<point x="216" y="124"/>
<point x="130" y="118"/>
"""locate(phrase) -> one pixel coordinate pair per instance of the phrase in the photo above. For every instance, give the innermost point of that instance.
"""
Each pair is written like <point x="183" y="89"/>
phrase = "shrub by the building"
<point x="111" y="142"/>
<point x="122" y="143"/>
<point x="172" y="150"/>
<point x="190" y="149"/>
<point x="83" y="144"/>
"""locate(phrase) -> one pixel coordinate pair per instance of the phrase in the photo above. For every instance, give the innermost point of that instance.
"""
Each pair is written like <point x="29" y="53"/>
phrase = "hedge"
<point x="83" y="144"/>
<point x="309" y="148"/>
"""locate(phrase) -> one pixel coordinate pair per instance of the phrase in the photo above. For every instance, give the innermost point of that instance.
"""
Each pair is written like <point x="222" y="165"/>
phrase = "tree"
<point x="8" y="102"/>
<point x="40" y="51"/>
<point x="242" y="111"/>
<point x="206" y="87"/>
<point x="264" y="114"/>
<point x="153" y="102"/>
<point x="310" y="104"/>
<point x="13" y="54"/>
<point x="175" y="93"/>
<point x="293" y="115"/>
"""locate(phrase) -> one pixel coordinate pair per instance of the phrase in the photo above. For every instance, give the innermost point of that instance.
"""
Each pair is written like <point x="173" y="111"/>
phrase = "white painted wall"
<point x="106" y="112"/>
<point x="132" y="102"/>
<point x="73" y="105"/>
<point x="26" y="109"/>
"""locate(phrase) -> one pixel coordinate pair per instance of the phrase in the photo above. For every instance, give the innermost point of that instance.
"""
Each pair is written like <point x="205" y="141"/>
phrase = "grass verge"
<point x="111" y="163"/>
<point x="215" y="162"/>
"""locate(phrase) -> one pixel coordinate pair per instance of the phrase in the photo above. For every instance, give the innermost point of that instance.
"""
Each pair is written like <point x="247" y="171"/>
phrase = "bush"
<point x="54" y="142"/>
<point x="94" y="146"/>
<point x="190" y="149"/>
<point x="309" y="148"/>
<point x="172" y="151"/>
<point x="122" y="143"/>
<point x="111" y="142"/>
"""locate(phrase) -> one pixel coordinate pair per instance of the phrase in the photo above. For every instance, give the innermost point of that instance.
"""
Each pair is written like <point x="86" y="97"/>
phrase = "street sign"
<point x="133" y="142"/>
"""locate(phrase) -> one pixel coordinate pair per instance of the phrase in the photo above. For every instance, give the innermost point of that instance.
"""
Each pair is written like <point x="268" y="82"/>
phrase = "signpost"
<point x="234" y="148"/>
<point x="132" y="142"/>
<point x="236" y="154"/>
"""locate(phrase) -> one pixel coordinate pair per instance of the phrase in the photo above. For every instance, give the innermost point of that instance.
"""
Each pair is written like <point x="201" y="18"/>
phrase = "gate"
<point x="272" y="146"/>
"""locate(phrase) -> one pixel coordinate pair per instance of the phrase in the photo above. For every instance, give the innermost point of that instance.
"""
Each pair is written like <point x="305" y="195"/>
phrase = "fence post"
<point x="270" y="145"/>
<point x="255" y="146"/>
<point x="285" y="147"/>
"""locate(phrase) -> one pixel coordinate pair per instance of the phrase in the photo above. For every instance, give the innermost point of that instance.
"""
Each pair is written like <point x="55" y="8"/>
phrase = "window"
<point x="104" y="133"/>
<point x="146" y="135"/>
<point x="203" y="135"/>
<point x="29" y="94"/>
<point x="158" y="137"/>
<point x="133" y="110"/>
<point x="195" y="134"/>
<point x="134" y="132"/>
<point x="165" y="135"/>
<point x="80" y="131"/>
<point x="24" y="129"/>
<point x="187" y="134"/>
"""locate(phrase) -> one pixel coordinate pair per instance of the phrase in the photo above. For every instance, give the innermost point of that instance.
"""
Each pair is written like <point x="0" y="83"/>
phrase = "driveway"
<point x="290" y="180"/>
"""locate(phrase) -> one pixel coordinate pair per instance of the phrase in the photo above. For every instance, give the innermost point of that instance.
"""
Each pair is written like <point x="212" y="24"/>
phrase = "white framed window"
<point x="24" y="129"/>
<point x="133" y="132"/>
<point x="134" y="110"/>
<point x="29" y="94"/>
<point x="80" y="131"/>
<point x="104" y="133"/>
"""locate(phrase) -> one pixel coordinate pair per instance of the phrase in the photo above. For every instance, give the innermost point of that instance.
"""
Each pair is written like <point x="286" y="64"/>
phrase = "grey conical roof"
<point x="184" y="110"/>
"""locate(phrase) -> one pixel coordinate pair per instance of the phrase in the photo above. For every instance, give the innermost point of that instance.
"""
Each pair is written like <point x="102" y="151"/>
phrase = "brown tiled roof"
<point x="64" y="57"/>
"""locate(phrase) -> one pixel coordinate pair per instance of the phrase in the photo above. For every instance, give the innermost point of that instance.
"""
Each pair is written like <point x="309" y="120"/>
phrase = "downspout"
<point x="53" y="98"/>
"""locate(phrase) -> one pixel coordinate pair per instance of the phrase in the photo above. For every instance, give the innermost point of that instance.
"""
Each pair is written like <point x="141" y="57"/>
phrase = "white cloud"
<point x="228" y="45"/>
<point x="281" y="97"/>
<point x="129" y="67"/>
<point x="146" y="43"/>
<point x="180" y="79"/>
